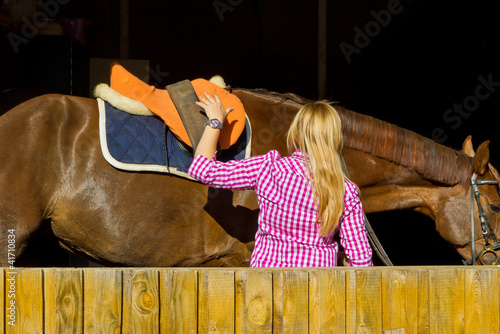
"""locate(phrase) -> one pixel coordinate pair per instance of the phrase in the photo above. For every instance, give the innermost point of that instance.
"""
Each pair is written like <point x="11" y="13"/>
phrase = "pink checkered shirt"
<point x="287" y="235"/>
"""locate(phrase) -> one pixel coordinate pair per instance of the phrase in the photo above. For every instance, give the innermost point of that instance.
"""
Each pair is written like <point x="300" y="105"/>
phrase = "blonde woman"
<point x="304" y="198"/>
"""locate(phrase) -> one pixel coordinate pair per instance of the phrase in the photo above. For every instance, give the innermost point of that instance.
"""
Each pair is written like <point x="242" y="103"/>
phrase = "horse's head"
<point x="455" y="225"/>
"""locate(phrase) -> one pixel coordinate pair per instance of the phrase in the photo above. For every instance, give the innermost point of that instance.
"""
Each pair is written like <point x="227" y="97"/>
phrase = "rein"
<point x="377" y="246"/>
<point x="486" y="229"/>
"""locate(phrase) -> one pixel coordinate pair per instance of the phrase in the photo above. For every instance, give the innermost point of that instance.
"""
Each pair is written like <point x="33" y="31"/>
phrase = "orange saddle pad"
<point x="159" y="102"/>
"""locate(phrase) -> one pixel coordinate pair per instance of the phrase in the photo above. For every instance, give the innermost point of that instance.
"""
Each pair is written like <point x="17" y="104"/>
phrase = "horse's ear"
<point x="467" y="147"/>
<point x="480" y="163"/>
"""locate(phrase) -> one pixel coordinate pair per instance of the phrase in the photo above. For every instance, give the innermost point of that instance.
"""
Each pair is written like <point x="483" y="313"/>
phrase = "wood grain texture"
<point x="446" y="300"/>
<point x="440" y="299"/>
<point x="291" y="301"/>
<point x="423" y="313"/>
<point x="102" y="301"/>
<point x="216" y="301"/>
<point x="400" y="299"/>
<point x="141" y="302"/>
<point x="482" y="301"/>
<point x="364" y="301"/>
<point x="179" y="301"/>
<point x="327" y="301"/>
<point x="254" y="301"/>
<point x="63" y="299"/>
<point x="28" y="300"/>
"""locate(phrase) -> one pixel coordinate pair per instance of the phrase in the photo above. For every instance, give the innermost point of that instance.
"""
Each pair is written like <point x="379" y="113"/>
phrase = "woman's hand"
<point x="213" y="107"/>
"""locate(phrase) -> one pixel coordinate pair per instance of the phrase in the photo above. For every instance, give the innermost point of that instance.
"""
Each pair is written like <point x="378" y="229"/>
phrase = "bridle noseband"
<point x="486" y="228"/>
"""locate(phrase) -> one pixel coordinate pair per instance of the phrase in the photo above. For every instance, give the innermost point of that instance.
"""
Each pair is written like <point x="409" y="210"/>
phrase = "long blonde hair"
<point x="316" y="130"/>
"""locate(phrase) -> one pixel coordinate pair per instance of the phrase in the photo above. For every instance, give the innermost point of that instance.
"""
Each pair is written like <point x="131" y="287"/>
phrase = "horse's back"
<point x="43" y="123"/>
<point x="13" y="97"/>
<point x="47" y="105"/>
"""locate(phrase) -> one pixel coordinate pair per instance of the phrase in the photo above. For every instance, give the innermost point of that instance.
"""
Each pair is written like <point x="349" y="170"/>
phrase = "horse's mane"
<point x="435" y="162"/>
<point x="279" y="97"/>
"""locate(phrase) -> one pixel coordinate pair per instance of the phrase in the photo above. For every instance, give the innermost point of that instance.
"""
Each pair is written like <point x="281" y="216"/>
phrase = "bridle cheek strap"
<point x="486" y="228"/>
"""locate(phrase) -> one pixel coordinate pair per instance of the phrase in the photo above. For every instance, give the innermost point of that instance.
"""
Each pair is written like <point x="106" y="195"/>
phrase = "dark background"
<point x="428" y="58"/>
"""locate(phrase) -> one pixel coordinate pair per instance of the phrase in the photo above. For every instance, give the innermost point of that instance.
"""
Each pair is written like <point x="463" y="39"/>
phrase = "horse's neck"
<point x="386" y="186"/>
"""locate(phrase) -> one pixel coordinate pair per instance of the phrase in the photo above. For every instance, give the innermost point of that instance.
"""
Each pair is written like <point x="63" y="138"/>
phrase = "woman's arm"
<point x="234" y="174"/>
<point x="214" y="110"/>
<point x="353" y="234"/>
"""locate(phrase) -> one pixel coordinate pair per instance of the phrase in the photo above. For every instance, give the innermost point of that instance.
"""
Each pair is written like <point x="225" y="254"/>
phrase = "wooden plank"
<point x="24" y="293"/>
<point x="179" y="301"/>
<point x="254" y="301"/>
<point x="350" y="300"/>
<point x="63" y="300"/>
<point x="327" y="301"/>
<point x="364" y="301"/>
<point x="446" y="300"/>
<point x="216" y="301"/>
<point x="49" y="299"/>
<point x="482" y="300"/>
<point x="423" y="315"/>
<point x="278" y="302"/>
<point x="291" y="300"/>
<point x="140" y="301"/>
<point x="3" y="296"/>
<point x="400" y="299"/>
<point x="413" y="299"/>
<point x="102" y="301"/>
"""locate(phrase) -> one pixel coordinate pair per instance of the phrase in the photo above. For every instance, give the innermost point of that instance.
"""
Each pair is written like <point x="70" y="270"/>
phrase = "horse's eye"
<point x="495" y="208"/>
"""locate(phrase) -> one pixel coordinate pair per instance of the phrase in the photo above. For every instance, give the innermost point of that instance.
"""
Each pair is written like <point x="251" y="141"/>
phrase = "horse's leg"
<point x="16" y="229"/>
<point x="24" y="178"/>
<point x="20" y="212"/>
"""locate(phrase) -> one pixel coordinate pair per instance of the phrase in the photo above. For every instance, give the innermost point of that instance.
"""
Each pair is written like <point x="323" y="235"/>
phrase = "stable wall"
<point x="226" y="300"/>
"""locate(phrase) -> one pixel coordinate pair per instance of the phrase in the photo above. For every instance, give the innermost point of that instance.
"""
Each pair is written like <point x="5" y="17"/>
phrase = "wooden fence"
<point x="228" y="300"/>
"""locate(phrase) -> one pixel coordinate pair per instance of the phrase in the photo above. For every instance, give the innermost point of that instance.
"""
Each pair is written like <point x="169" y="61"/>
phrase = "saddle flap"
<point x="184" y="97"/>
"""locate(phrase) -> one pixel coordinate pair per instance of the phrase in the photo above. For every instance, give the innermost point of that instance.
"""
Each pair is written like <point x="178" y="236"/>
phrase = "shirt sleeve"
<point x="353" y="234"/>
<point x="234" y="174"/>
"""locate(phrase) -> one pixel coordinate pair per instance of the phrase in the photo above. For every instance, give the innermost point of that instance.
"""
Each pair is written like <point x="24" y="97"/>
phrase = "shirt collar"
<point x="298" y="154"/>
<point x="299" y="161"/>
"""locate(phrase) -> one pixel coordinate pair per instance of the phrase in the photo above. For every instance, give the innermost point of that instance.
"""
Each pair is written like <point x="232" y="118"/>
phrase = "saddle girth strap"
<point x="184" y="97"/>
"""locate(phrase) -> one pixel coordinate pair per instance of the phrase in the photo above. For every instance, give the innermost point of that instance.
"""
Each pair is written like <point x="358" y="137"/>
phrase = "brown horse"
<point x="53" y="175"/>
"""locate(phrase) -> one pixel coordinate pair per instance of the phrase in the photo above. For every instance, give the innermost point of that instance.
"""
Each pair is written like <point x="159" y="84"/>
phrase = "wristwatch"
<point x="214" y="123"/>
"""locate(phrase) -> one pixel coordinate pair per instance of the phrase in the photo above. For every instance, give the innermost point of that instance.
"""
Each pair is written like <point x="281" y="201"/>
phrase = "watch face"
<point x="215" y="123"/>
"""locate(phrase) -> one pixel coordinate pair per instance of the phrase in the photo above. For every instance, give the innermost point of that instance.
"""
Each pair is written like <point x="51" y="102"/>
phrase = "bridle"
<point x="486" y="228"/>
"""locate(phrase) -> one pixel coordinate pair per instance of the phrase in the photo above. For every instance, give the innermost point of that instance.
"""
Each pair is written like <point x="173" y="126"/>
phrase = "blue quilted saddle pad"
<point x="144" y="143"/>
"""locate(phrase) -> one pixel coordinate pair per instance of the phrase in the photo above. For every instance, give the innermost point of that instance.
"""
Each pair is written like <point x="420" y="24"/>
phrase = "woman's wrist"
<point x="214" y="123"/>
